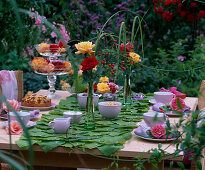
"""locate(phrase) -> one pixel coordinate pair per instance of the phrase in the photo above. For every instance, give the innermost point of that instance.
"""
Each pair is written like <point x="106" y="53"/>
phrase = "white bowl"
<point x="74" y="115"/>
<point x="82" y="100"/>
<point x="109" y="112"/>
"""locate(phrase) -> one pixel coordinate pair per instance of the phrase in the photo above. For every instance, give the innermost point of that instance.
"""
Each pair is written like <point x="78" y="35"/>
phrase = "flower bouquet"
<point x="89" y="73"/>
<point x="107" y="89"/>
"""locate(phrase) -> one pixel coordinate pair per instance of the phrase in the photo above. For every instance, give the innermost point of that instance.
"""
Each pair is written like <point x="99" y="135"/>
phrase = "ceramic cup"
<point x="60" y="125"/>
<point x="154" y="118"/>
<point x="25" y="116"/>
<point x="109" y="111"/>
<point x="163" y="97"/>
<point x="74" y="115"/>
<point x="82" y="100"/>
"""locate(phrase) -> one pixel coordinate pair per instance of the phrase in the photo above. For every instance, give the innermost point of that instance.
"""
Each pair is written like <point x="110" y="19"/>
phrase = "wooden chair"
<point x="19" y="78"/>
<point x="201" y="98"/>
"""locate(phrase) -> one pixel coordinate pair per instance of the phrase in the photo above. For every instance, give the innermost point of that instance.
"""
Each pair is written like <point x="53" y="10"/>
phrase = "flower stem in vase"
<point x="90" y="118"/>
<point x="52" y="81"/>
<point x="127" y="98"/>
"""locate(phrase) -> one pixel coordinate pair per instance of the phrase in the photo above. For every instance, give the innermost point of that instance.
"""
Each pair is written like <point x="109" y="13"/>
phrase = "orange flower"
<point x="15" y="128"/>
<point x="134" y="57"/>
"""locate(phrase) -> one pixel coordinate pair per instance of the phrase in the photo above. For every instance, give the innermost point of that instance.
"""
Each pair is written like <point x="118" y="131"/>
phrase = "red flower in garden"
<point x="160" y="10"/>
<point x="180" y="5"/>
<point x="155" y="1"/>
<point x="167" y="15"/>
<point x="167" y="2"/>
<point x="89" y="63"/>
<point x="128" y="47"/>
<point x="182" y="13"/>
<point x="193" y="5"/>
<point x="191" y="17"/>
<point x="175" y="2"/>
<point x="201" y="14"/>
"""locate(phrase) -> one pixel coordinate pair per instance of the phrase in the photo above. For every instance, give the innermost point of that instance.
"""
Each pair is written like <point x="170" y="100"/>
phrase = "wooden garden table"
<point x="63" y="157"/>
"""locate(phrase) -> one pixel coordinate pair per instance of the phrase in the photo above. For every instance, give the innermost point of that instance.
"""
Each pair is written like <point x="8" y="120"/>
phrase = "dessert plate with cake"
<point x="33" y="101"/>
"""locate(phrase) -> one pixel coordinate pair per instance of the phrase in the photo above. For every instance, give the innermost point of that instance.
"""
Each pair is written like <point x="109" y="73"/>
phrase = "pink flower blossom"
<point x="53" y="34"/>
<point x="128" y="47"/>
<point x="15" y="128"/>
<point x="113" y="87"/>
<point x="158" y="131"/>
<point x="44" y="29"/>
<point x="13" y="103"/>
<point x="178" y="104"/>
<point x="64" y="33"/>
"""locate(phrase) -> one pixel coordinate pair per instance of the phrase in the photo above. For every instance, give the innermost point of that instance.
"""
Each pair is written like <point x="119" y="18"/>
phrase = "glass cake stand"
<point x="51" y="67"/>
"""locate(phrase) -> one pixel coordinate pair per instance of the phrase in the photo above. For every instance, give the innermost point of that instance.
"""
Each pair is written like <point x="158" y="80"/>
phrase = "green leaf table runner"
<point x="108" y="136"/>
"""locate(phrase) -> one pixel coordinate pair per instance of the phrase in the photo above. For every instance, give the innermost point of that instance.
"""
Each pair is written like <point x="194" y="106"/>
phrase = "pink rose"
<point x="13" y="103"/>
<point x="178" y="104"/>
<point x="158" y="131"/>
<point x="113" y="87"/>
<point x="128" y="47"/>
<point x="15" y="128"/>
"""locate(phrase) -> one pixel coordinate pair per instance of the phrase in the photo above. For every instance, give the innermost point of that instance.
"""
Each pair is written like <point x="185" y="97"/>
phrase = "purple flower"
<point x="180" y="43"/>
<point x="150" y="36"/>
<point x="201" y="35"/>
<point x="202" y="45"/>
<point x="108" y="13"/>
<point x="180" y="58"/>
<point x="149" y="46"/>
<point x="159" y="40"/>
<point x="138" y="96"/>
<point x="179" y="82"/>
<point x="142" y="5"/>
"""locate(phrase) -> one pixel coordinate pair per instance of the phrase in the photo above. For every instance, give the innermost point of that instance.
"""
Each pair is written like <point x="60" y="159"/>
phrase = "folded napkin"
<point x="9" y="84"/>
<point x="141" y="130"/>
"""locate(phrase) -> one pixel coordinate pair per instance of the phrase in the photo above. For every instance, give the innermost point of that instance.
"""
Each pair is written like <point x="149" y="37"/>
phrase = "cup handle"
<point x="51" y="124"/>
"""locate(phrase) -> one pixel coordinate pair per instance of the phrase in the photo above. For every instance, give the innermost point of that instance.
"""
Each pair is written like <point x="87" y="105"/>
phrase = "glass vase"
<point x="90" y="117"/>
<point x="127" y="98"/>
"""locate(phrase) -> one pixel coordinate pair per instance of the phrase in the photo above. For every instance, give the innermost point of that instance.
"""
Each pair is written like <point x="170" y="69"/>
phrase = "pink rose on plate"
<point x="158" y="131"/>
<point x="13" y="103"/>
<point x="15" y="128"/>
<point x="113" y="87"/>
<point x="178" y="104"/>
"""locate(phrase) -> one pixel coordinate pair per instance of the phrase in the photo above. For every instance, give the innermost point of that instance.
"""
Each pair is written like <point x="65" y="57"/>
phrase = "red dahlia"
<point x="89" y="63"/>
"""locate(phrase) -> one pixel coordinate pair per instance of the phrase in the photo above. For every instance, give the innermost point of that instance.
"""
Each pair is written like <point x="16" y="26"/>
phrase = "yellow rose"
<point x="65" y="86"/>
<point x="85" y="47"/>
<point x="134" y="57"/>
<point x="104" y="79"/>
<point x="103" y="88"/>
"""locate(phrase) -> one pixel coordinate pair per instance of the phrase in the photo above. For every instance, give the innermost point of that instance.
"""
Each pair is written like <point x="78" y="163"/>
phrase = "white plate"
<point x="29" y="124"/>
<point x="156" y="140"/>
<point x="39" y="108"/>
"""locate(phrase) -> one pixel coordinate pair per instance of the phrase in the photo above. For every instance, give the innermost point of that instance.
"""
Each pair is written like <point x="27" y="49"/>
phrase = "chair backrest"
<point x="201" y="97"/>
<point x="19" y="78"/>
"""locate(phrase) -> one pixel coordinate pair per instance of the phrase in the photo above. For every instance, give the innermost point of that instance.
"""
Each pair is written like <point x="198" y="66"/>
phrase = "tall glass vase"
<point x="127" y="98"/>
<point x="90" y="117"/>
